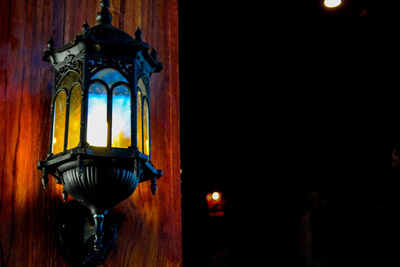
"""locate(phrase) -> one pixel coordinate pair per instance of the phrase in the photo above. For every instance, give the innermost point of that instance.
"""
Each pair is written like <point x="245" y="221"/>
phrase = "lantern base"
<point x="83" y="240"/>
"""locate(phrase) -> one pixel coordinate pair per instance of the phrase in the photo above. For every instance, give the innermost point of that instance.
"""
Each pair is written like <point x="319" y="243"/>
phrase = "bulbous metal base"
<point x="98" y="185"/>
<point x="97" y="180"/>
<point x="85" y="239"/>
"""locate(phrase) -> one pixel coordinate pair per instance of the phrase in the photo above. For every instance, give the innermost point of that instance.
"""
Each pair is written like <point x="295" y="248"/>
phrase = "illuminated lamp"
<point x="100" y="132"/>
<point x="332" y="3"/>
<point x="215" y="204"/>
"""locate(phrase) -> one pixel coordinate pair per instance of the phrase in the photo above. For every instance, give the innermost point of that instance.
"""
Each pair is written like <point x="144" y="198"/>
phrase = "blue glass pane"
<point x="109" y="76"/>
<point x="121" y="117"/>
<point x="97" y="115"/>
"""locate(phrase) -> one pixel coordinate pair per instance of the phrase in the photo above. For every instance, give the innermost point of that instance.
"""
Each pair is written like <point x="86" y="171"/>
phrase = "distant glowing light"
<point x="215" y="204"/>
<point x="332" y="3"/>
<point x="216" y="196"/>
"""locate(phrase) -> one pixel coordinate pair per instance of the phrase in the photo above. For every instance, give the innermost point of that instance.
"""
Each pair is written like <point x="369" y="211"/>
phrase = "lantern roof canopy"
<point x="106" y="33"/>
<point x="105" y="37"/>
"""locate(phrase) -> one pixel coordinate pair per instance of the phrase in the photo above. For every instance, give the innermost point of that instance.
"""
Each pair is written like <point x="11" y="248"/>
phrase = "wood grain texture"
<point x="150" y="226"/>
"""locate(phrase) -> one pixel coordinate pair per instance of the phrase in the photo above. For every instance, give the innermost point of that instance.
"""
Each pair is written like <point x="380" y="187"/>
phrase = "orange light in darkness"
<point x="215" y="204"/>
<point x="216" y="196"/>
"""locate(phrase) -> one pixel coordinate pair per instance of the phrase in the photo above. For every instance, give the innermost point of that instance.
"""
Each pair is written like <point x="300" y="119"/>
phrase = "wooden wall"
<point x="150" y="234"/>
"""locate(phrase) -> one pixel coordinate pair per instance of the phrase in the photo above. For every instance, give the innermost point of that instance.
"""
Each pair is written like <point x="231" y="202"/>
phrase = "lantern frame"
<point x="99" y="177"/>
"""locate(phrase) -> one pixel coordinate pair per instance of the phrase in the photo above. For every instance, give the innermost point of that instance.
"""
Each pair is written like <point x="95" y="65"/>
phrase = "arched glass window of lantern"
<point x="109" y="90"/>
<point x="121" y="117"/>
<point x="59" y="119"/>
<point x="97" y="115"/>
<point x="143" y="118"/>
<point x="74" y="116"/>
<point x="66" y="113"/>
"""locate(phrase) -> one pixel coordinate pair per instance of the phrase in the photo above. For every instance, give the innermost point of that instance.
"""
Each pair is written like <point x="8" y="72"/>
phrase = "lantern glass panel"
<point x="109" y="76"/>
<point x="146" y="127"/>
<point x="74" y="118"/>
<point x="97" y="115"/>
<point x="69" y="79"/>
<point x="60" y="106"/>
<point x="142" y="87"/>
<point x="139" y="121"/>
<point x="121" y="117"/>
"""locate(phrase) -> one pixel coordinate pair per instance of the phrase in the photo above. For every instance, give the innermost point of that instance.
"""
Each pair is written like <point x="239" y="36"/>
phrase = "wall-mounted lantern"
<point x="100" y="129"/>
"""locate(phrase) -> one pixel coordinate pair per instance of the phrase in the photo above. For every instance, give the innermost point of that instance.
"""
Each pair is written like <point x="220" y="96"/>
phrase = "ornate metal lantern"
<point x="100" y="130"/>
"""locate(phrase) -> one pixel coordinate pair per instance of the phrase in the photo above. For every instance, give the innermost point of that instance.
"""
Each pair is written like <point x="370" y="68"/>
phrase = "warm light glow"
<point x="332" y="3"/>
<point x="216" y="196"/>
<point x="215" y="204"/>
<point x="74" y="119"/>
<point x="147" y="148"/>
<point x="60" y="106"/>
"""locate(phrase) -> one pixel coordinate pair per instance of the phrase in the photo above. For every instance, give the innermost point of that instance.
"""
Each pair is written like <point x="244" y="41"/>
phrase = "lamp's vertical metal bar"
<point x="109" y="116"/>
<point x="147" y="100"/>
<point x="67" y="120"/>
<point x="84" y="102"/>
<point x="149" y="129"/>
<point x="133" y="84"/>
<point x="52" y="120"/>
<point x="142" y="107"/>
<point x="149" y="114"/>
<point x="48" y="55"/>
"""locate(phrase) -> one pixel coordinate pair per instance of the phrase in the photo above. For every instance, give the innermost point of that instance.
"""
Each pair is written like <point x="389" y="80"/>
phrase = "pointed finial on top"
<point x="138" y="34"/>
<point x="104" y="16"/>
<point x="154" y="54"/>
<point x="50" y="44"/>
<point x="48" y="55"/>
<point x="105" y="3"/>
<point x="85" y="26"/>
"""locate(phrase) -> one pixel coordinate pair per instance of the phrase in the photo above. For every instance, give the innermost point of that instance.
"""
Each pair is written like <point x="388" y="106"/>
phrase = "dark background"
<point x="275" y="115"/>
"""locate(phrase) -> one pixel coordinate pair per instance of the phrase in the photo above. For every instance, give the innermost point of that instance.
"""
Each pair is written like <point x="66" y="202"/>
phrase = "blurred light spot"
<point x="362" y="14"/>
<point x="215" y="204"/>
<point x="216" y="196"/>
<point x="332" y="3"/>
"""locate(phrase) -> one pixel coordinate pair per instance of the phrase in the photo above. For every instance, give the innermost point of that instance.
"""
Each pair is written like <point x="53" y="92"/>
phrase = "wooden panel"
<point x="150" y="231"/>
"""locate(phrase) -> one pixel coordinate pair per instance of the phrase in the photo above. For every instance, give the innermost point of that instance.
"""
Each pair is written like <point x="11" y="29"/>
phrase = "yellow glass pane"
<point x="70" y="78"/>
<point x="142" y="87"/>
<point x="146" y="127"/>
<point x="97" y="115"/>
<point x="60" y="106"/>
<point x="139" y="121"/>
<point x="74" y="120"/>
<point x="121" y="117"/>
